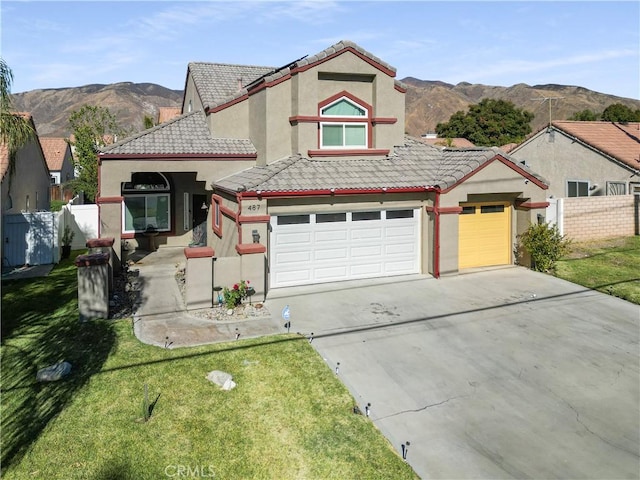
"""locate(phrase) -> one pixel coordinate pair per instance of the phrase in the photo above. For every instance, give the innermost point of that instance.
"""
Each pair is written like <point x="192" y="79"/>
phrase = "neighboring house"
<point x="581" y="159"/>
<point x="26" y="189"/>
<point x="57" y="153"/>
<point x="167" y="113"/>
<point x="303" y="174"/>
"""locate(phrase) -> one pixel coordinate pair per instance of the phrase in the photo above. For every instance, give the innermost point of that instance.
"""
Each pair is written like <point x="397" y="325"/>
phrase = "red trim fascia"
<point x="230" y="103"/>
<point x="504" y="161"/>
<point x="273" y="83"/>
<point x="254" y="218"/>
<point x="245" y="248"/>
<point x="311" y="119"/>
<point x="228" y="212"/>
<point x="216" y="201"/>
<point x="341" y="153"/>
<point x="533" y="205"/>
<point x="368" y="60"/>
<point x="128" y="236"/>
<point x="329" y="192"/>
<point x="444" y="210"/>
<point x="350" y="96"/>
<point x="101" y="200"/>
<point x="199" y="252"/>
<point x="186" y="157"/>
<point x="400" y="89"/>
<point x="384" y="120"/>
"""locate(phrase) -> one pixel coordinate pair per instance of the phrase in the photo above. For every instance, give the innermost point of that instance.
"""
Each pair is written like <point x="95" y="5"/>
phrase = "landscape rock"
<point x="223" y="379"/>
<point x="54" y="372"/>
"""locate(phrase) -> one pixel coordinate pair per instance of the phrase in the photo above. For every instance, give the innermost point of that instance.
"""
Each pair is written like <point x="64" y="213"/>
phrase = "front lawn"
<point x="289" y="416"/>
<point x="610" y="266"/>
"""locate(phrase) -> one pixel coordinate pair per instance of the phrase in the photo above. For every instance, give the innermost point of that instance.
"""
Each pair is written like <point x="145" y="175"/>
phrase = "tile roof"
<point x="185" y="135"/>
<point x="219" y="83"/>
<point x="54" y="150"/>
<point x="412" y="165"/>
<point x="617" y="140"/>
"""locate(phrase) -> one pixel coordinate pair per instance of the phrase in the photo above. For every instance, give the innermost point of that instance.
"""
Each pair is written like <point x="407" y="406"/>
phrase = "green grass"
<point x="289" y="417"/>
<point x="611" y="266"/>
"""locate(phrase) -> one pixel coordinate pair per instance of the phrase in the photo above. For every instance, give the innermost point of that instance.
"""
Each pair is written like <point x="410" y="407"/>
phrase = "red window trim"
<point x="216" y="214"/>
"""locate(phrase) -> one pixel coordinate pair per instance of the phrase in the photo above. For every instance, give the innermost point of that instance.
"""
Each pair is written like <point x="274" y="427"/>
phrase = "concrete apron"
<point x="497" y="374"/>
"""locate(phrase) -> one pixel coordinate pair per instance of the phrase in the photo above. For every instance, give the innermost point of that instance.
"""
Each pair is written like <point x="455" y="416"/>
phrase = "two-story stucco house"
<point x="57" y="153"/>
<point x="303" y="174"/>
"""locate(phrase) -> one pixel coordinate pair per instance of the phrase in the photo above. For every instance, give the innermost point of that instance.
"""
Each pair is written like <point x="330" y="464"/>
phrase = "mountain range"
<point x="427" y="103"/>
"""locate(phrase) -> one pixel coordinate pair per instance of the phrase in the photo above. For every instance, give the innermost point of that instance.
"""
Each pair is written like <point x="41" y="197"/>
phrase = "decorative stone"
<point x="230" y="311"/>
<point x="54" y="372"/>
<point x="222" y="379"/>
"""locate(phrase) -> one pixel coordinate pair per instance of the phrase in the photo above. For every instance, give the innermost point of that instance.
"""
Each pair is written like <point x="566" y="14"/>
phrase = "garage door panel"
<point x="366" y="233"/>
<point x="294" y="238"/>
<point x="331" y="254"/>
<point x="342" y="250"/>
<point x="370" y="251"/>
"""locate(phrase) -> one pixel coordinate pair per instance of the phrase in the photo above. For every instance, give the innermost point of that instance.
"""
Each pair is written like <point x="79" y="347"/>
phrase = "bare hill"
<point x="427" y="102"/>
<point x="431" y="102"/>
<point x="129" y="102"/>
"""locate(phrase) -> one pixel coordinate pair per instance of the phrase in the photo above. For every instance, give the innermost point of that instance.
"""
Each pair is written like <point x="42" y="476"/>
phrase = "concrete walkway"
<point x="161" y="318"/>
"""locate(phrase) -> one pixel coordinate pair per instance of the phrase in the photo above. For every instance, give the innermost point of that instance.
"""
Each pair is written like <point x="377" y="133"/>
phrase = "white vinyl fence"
<point x="34" y="238"/>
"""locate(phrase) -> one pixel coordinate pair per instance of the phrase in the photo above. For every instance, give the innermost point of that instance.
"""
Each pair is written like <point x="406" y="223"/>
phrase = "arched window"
<point x="147" y="203"/>
<point x="343" y="125"/>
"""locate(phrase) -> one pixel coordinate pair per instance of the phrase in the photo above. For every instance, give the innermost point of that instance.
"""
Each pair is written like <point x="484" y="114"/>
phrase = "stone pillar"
<point x="199" y="277"/>
<point x="104" y="245"/>
<point x="93" y="286"/>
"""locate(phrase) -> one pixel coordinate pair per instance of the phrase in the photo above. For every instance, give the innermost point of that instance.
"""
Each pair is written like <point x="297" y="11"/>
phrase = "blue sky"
<point x="50" y="44"/>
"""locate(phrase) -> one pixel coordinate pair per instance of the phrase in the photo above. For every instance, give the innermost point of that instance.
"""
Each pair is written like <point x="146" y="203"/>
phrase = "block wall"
<point x="590" y="218"/>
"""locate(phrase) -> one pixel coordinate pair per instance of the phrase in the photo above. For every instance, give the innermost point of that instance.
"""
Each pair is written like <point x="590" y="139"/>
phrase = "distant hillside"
<point x="431" y="102"/>
<point x="129" y="102"/>
<point x="427" y="102"/>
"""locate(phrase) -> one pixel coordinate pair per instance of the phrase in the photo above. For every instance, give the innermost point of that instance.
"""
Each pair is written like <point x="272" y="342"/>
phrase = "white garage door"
<point x="329" y="247"/>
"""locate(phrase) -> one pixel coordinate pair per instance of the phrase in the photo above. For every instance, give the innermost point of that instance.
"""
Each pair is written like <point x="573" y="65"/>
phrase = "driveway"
<point x="503" y="373"/>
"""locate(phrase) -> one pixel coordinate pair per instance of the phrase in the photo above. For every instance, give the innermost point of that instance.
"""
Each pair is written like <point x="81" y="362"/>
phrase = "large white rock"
<point x="223" y="379"/>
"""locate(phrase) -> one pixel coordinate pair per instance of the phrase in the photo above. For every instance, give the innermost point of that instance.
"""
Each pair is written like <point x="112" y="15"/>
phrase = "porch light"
<point x="204" y="206"/>
<point x="256" y="236"/>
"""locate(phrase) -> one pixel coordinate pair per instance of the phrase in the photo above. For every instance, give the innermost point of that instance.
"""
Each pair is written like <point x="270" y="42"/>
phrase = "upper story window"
<point x="344" y="125"/>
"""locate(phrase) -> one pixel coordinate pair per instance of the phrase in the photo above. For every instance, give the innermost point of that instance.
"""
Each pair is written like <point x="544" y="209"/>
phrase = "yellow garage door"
<point x="485" y="235"/>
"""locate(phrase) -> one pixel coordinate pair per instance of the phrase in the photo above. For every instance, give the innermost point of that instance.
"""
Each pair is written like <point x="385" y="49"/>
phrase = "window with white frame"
<point x="343" y="125"/>
<point x="616" y="188"/>
<point x="577" y="188"/>
<point x="147" y="203"/>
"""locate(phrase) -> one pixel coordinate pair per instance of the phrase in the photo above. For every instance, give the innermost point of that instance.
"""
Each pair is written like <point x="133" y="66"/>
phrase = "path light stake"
<point x="167" y="343"/>
<point x="287" y="326"/>
<point x="367" y="409"/>
<point x="337" y="368"/>
<point x="237" y="334"/>
<point x="311" y="338"/>
<point x="405" y="449"/>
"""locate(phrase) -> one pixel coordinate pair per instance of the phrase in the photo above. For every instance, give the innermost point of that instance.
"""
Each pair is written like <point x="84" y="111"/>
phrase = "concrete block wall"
<point x="591" y="218"/>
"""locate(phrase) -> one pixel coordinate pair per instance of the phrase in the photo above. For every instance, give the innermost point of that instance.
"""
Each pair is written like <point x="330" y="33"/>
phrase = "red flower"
<point x="235" y="286"/>
<point x="248" y="282"/>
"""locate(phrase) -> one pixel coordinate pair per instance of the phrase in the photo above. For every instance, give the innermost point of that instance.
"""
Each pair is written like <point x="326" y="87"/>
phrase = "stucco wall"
<point x="559" y="159"/>
<point x="29" y="182"/>
<point x="590" y="218"/>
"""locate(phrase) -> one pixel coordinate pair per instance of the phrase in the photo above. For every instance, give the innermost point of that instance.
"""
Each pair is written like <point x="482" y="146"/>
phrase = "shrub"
<point x="56" y="205"/>
<point x="544" y="244"/>
<point x="233" y="296"/>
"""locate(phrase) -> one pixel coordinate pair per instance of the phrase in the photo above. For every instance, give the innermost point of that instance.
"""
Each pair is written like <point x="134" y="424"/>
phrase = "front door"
<point x="199" y="209"/>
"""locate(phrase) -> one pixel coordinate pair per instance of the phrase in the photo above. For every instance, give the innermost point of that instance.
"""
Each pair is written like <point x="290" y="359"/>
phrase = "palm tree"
<point x="15" y="130"/>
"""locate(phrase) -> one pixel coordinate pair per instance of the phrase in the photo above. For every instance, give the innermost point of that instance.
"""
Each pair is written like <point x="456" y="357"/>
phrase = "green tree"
<point x="617" y="112"/>
<point x="15" y="130"/>
<point x="148" y="122"/>
<point x="489" y="123"/>
<point x="585" y="116"/>
<point x="93" y="127"/>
